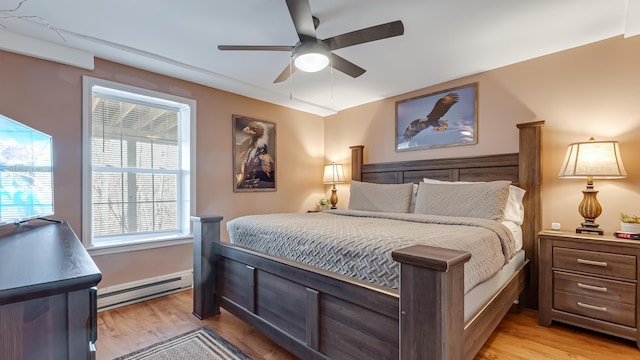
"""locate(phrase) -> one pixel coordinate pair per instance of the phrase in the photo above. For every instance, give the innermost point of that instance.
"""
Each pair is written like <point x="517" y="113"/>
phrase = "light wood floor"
<point x="519" y="336"/>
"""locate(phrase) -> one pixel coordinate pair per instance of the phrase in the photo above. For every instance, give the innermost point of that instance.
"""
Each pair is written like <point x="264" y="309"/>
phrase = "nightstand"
<point x="589" y="281"/>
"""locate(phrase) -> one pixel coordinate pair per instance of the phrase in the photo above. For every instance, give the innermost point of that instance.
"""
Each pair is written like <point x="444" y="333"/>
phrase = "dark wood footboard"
<point x="316" y="314"/>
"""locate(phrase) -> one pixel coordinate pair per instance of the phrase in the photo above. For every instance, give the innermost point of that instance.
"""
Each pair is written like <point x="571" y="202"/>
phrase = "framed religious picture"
<point x="254" y="155"/>
<point x="445" y="118"/>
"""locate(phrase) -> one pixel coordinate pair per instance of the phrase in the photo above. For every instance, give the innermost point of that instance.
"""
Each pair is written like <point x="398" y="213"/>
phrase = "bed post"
<point x="529" y="178"/>
<point x="431" y="302"/>
<point x="206" y="232"/>
<point x="356" y="162"/>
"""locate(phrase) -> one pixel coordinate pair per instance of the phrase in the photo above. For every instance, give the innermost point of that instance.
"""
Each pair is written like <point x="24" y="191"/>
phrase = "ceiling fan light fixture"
<point x="311" y="56"/>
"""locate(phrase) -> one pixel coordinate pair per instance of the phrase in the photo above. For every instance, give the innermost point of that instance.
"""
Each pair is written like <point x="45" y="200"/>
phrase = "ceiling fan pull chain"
<point x="290" y="78"/>
<point x="331" y="75"/>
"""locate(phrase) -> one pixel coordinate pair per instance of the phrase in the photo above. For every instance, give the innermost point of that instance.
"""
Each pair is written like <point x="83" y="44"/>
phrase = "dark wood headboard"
<point x="522" y="169"/>
<point x="477" y="168"/>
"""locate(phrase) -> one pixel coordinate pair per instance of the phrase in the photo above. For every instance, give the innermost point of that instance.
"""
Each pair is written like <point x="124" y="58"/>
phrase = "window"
<point x="136" y="174"/>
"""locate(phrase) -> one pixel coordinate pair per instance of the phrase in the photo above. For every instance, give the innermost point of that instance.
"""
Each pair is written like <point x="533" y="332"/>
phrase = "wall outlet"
<point x="555" y="226"/>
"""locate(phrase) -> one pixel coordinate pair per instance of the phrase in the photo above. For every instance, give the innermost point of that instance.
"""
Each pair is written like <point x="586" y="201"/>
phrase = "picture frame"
<point x="254" y="154"/>
<point x="445" y="118"/>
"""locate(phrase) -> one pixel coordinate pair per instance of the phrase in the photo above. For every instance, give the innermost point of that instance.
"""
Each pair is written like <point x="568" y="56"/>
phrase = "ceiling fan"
<point x="312" y="54"/>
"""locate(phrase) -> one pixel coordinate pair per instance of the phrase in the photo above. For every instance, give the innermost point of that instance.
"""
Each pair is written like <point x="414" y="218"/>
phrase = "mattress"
<point x="475" y="299"/>
<point x="359" y="243"/>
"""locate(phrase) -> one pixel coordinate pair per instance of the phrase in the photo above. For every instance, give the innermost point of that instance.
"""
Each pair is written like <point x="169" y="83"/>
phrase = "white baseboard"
<point x="136" y="291"/>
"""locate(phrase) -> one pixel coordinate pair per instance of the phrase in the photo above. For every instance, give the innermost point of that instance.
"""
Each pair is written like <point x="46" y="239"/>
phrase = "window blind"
<point x="135" y="155"/>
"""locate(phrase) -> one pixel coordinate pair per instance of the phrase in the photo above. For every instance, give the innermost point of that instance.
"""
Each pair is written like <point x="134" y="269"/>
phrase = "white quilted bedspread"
<point x="359" y="243"/>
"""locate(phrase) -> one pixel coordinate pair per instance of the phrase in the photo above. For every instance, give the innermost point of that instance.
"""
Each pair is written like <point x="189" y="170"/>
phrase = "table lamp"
<point x="590" y="160"/>
<point x="333" y="174"/>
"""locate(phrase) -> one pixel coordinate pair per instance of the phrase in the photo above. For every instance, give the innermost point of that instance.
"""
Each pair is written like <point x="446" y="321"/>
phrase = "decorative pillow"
<point x="514" y="210"/>
<point x="479" y="200"/>
<point x="380" y="197"/>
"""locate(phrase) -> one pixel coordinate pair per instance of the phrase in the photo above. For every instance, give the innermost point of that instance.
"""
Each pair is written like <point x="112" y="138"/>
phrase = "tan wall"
<point x="593" y="90"/>
<point x="48" y="96"/>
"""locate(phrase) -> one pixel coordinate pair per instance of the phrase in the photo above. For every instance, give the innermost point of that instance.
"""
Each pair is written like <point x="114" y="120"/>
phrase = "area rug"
<point x="202" y="343"/>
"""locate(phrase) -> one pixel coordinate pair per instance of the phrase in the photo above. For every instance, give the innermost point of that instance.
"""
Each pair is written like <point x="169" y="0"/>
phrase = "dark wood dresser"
<point x="590" y="281"/>
<point x="47" y="293"/>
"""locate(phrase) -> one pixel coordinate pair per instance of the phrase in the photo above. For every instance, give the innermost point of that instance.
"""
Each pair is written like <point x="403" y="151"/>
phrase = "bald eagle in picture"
<point x="434" y="118"/>
<point x="445" y="118"/>
<point x="254" y="165"/>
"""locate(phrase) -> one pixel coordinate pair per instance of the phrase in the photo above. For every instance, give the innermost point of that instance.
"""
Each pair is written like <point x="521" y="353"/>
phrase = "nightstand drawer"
<point x="614" y="312"/>
<point x="601" y="263"/>
<point x="610" y="290"/>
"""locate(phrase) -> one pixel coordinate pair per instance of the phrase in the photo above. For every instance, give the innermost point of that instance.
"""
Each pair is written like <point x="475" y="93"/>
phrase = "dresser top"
<point x="41" y="258"/>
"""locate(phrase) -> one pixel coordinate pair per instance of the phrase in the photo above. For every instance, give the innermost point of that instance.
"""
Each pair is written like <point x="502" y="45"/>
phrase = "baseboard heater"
<point x="124" y="294"/>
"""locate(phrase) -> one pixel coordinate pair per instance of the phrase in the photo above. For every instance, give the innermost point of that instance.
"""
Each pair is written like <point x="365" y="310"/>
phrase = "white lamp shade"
<point x="597" y="159"/>
<point x="333" y="174"/>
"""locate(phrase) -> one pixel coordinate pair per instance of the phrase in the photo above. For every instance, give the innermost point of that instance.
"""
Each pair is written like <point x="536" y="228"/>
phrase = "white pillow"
<point x="414" y="193"/>
<point x="380" y="197"/>
<point x="514" y="210"/>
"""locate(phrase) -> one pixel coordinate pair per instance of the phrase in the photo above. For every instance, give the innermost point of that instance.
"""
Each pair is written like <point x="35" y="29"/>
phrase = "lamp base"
<point x="334" y="197"/>
<point x="589" y="209"/>
<point x="589" y="228"/>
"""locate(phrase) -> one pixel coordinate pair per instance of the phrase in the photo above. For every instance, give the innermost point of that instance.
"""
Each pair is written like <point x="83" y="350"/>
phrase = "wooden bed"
<point x="317" y="314"/>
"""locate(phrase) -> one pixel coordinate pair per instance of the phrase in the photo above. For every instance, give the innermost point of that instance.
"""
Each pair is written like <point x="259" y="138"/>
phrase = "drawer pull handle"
<point x="592" y="307"/>
<point x="591" y="287"/>
<point x="591" y="262"/>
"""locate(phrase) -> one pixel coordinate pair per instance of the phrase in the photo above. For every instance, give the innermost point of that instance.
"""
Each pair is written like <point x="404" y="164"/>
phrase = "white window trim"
<point x="136" y="246"/>
<point x="87" y="214"/>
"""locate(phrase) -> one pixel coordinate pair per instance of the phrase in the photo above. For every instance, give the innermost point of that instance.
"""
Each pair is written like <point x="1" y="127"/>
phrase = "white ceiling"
<point x="443" y="40"/>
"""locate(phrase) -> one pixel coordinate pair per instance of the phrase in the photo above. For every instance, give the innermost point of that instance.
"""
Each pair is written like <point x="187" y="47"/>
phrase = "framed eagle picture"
<point x="254" y="155"/>
<point x="445" y="118"/>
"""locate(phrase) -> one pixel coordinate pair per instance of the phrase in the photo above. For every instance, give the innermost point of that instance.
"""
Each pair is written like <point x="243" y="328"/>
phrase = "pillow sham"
<point x="514" y="211"/>
<point x="478" y="200"/>
<point x="380" y="197"/>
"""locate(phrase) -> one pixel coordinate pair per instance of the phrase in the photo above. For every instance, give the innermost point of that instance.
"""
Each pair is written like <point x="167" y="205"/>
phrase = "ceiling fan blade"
<point x="255" y="47"/>
<point x="346" y="66"/>
<point x="284" y="75"/>
<point x="300" y="11"/>
<point x="373" y="33"/>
